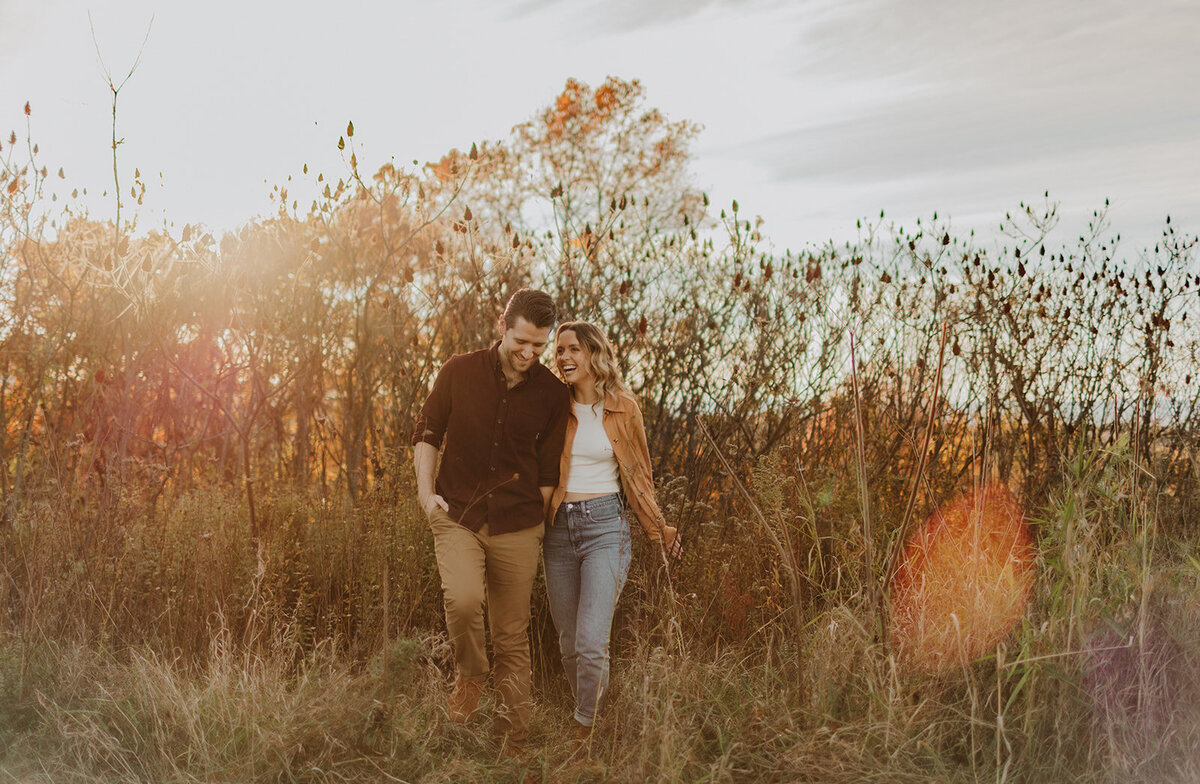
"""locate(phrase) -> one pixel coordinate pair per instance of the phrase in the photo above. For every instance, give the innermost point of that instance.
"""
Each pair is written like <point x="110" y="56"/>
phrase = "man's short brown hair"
<point x="534" y="306"/>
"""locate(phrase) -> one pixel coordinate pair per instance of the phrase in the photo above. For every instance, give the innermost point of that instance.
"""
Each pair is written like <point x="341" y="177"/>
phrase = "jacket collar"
<point x="619" y="403"/>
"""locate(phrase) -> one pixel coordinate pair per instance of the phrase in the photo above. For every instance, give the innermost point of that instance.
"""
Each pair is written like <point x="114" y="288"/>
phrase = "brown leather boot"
<point x="581" y="751"/>
<point x="463" y="704"/>
<point x="513" y="750"/>
<point x="581" y="740"/>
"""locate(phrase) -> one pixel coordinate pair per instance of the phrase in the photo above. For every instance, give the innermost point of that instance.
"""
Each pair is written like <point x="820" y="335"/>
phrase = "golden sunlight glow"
<point x="964" y="580"/>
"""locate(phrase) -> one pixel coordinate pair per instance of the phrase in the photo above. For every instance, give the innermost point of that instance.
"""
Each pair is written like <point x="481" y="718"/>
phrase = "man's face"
<point x="521" y="343"/>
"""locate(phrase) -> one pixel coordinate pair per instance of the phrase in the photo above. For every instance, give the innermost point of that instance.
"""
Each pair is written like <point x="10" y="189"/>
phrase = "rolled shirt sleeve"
<point x="430" y="426"/>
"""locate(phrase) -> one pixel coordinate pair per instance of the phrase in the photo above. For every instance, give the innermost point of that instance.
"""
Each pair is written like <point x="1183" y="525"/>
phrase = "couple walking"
<point x="532" y="465"/>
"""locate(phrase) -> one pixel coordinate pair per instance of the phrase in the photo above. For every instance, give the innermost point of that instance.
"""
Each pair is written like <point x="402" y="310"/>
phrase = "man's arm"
<point x="427" y="439"/>
<point x="550" y="445"/>
<point x="546" y="493"/>
<point x="425" y="461"/>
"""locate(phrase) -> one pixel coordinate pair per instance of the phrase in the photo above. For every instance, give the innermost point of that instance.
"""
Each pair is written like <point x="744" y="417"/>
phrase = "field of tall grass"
<point x="213" y="567"/>
<point x="229" y="671"/>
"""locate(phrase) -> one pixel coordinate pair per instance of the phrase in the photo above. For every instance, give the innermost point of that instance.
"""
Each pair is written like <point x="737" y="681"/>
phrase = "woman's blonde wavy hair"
<point x="601" y="355"/>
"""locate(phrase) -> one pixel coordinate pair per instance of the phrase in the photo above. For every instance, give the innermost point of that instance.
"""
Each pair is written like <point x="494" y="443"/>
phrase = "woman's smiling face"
<point x="574" y="363"/>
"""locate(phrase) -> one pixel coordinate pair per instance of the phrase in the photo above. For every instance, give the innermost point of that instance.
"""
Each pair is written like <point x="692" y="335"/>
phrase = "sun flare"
<point x="964" y="580"/>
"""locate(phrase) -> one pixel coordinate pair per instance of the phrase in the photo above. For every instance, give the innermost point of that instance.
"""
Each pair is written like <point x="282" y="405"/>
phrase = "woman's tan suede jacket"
<point x="627" y="433"/>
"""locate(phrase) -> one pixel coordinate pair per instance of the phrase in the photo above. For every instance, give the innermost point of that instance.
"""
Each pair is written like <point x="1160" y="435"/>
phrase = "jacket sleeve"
<point x="650" y="515"/>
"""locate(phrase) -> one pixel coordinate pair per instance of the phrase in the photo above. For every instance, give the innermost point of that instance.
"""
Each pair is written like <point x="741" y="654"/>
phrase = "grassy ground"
<point x="716" y="677"/>
<point x="832" y="708"/>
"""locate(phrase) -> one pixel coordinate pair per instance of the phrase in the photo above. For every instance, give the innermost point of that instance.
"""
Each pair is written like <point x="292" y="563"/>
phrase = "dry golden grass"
<point x="1098" y="681"/>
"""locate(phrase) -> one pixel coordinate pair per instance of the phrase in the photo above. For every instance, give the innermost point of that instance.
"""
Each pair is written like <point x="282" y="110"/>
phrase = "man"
<point x="502" y="416"/>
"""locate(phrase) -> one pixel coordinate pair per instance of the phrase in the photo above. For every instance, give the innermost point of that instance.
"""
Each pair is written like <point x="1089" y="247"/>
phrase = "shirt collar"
<point x="494" y="354"/>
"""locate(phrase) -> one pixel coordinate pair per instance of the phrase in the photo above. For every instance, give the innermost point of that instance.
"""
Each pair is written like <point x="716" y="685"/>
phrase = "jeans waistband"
<point x="591" y="503"/>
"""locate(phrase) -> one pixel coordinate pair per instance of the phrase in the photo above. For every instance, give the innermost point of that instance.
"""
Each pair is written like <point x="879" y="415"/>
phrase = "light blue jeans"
<point x="587" y="553"/>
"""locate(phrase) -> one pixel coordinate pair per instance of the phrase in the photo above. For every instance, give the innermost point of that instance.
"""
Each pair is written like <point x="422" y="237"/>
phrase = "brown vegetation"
<point x="210" y="543"/>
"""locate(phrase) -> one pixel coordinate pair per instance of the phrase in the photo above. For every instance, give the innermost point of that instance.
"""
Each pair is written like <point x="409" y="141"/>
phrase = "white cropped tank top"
<point x="593" y="464"/>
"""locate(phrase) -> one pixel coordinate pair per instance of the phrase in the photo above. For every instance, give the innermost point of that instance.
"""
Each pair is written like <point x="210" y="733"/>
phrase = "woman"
<point x="605" y="462"/>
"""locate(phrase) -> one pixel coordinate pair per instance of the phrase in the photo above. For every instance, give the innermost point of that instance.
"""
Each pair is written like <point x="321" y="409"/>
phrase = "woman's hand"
<point x="672" y="543"/>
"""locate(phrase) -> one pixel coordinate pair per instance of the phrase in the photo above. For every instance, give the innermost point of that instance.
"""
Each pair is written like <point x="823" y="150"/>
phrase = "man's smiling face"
<point x="521" y="343"/>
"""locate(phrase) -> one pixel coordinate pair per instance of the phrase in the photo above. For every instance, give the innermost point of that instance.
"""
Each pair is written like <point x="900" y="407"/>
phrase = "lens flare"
<point x="963" y="581"/>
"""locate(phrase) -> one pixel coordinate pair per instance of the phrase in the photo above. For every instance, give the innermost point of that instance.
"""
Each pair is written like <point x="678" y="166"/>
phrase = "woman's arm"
<point x="669" y="538"/>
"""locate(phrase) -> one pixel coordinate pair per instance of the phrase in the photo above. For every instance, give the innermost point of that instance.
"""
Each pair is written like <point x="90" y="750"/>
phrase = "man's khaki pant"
<point x="479" y="570"/>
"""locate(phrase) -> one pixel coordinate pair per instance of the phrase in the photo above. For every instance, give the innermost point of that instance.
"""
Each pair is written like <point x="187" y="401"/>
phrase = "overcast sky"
<point x="815" y="112"/>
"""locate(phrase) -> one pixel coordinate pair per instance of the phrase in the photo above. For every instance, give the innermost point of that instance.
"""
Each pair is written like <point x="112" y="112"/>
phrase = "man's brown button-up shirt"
<point x="501" y="444"/>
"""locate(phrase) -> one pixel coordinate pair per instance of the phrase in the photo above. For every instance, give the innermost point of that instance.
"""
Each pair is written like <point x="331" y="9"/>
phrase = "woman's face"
<point x="574" y="363"/>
